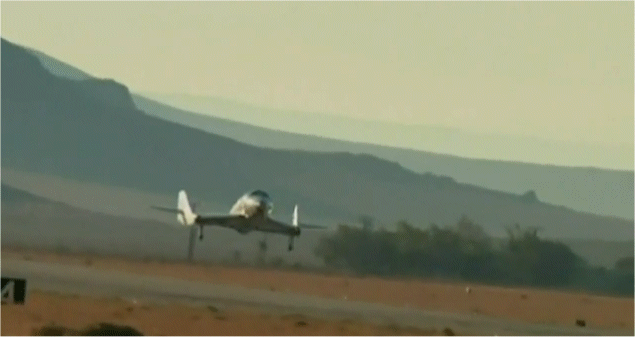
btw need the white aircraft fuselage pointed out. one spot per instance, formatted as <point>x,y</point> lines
<point>253,204</point>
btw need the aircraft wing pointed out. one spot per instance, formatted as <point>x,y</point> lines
<point>275,226</point>
<point>309,226</point>
<point>224,220</point>
<point>167,209</point>
<point>220,220</point>
<point>271,225</point>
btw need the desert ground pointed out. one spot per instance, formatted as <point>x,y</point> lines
<point>527,305</point>
<point>77,312</point>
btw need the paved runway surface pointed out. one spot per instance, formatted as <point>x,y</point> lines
<point>87,281</point>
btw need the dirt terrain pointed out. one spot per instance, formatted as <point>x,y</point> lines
<point>75,312</point>
<point>529,305</point>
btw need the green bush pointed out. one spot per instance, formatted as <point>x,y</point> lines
<point>465,252</point>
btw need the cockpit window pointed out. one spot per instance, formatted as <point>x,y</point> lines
<point>260,193</point>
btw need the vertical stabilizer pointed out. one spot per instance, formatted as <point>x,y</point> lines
<point>186,216</point>
<point>295,216</point>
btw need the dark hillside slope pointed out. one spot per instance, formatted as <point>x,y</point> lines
<point>59,68</point>
<point>12,196</point>
<point>32,221</point>
<point>59,126</point>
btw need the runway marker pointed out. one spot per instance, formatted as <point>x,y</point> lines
<point>13,290</point>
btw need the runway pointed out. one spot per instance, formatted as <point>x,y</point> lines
<point>80,280</point>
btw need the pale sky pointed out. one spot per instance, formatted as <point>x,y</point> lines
<point>553,70</point>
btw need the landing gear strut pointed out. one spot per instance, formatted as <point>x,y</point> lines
<point>200,233</point>
<point>290,243</point>
<point>191,243</point>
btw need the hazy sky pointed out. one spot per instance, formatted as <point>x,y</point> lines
<point>555,70</point>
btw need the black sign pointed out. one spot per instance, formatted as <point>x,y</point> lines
<point>13,290</point>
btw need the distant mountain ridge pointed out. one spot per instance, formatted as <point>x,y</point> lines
<point>599,191</point>
<point>52,125</point>
<point>426,138</point>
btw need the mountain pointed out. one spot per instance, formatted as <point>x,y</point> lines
<point>599,191</point>
<point>437,139</point>
<point>59,68</point>
<point>29,220</point>
<point>90,130</point>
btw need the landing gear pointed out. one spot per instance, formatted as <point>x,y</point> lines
<point>262,245</point>
<point>191,243</point>
<point>290,243</point>
<point>200,233</point>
